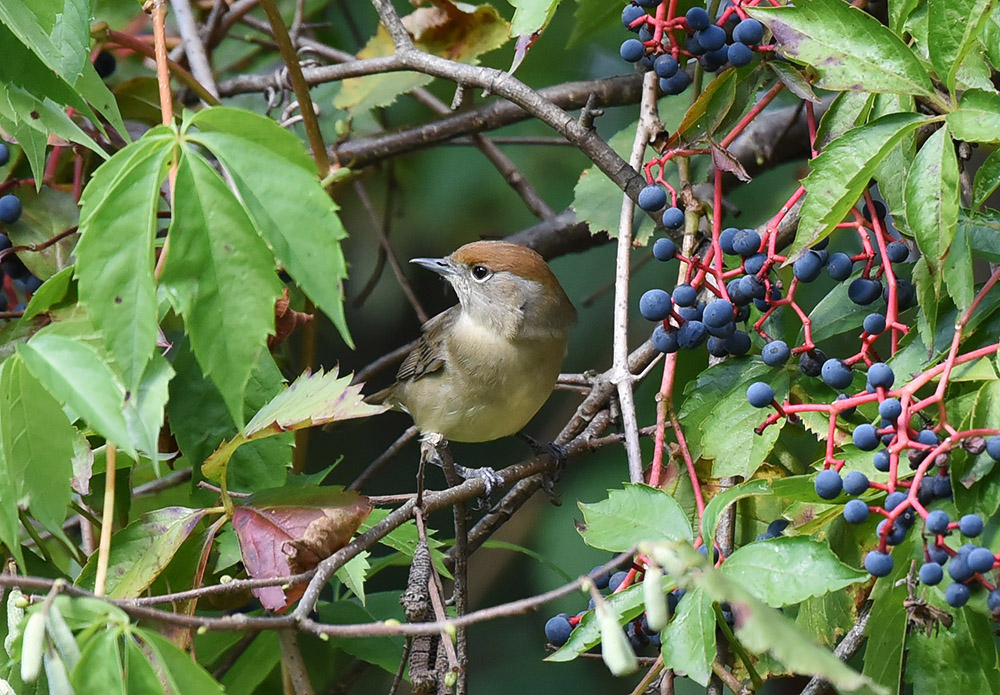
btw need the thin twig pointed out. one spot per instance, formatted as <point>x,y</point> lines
<point>847,648</point>
<point>292,662</point>
<point>107,519</point>
<point>194,49</point>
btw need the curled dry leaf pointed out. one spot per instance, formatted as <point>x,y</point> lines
<point>290,530</point>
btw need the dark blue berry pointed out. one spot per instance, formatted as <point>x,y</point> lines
<point>775,353</point>
<point>10,208</point>
<point>993,448</point>
<point>864,291</point>
<point>693,312</point>
<point>971,525</point>
<point>746,243</point>
<point>897,251</point>
<point>749,31</point>
<point>777,527</point>
<point>734,288</point>
<point>615,581</point>
<point>697,18</point>
<point>655,305</point>
<point>558,630</point>
<point>652,198</point>
<point>855,483</point>
<point>4,155</point>
<point>726,330</point>
<point>906,293</point>
<point>739,54</point>
<point>752,287</point>
<point>878,564</point>
<point>980,560</point>
<point>855,511</point>
<point>874,324</point>
<point>846,412</point>
<point>938,554</point>
<point>890,409</point>
<point>865,437</point>
<point>958,568</point>
<point>717,347</point>
<point>600,580</point>
<point>726,237</point>
<point>738,344</point>
<point>931,573</point>
<point>957,595</point>
<point>664,249</point>
<point>685,295</point>
<point>840,266</point>
<point>828,484</point>
<point>893,500</point>
<point>811,362</point>
<point>676,84</point>
<point>630,14</point>
<point>836,374</point>
<point>665,65</point>
<point>993,601</point>
<point>760,395</point>
<point>712,37</point>
<point>753,264</point>
<point>632,50</point>
<point>937,522</point>
<point>880,210</point>
<point>928,437</point>
<point>105,64</point>
<point>665,341</point>
<point>691,334</point>
<point>807,268</point>
<point>673,218</point>
<point>718,313</point>
<point>31,284</point>
<point>880,375</point>
<point>897,532</point>
<point>942,486</point>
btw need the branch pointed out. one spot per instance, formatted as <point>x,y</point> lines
<point>847,648</point>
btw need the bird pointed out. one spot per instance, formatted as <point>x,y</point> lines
<point>482,368</point>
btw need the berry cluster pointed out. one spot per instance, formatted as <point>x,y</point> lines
<point>10,265</point>
<point>665,42</point>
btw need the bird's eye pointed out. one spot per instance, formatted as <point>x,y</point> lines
<point>480,272</point>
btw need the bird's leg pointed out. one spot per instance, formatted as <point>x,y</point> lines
<point>558,454</point>
<point>434,448</point>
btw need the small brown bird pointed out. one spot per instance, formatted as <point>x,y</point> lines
<point>483,368</point>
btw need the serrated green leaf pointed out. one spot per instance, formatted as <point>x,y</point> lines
<point>279,190</point>
<point>719,503</point>
<point>931,197</point>
<point>891,170</point>
<point>100,667</point>
<point>899,12</point>
<point>220,277</point>
<point>590,17</point>
<point>37,442</point>
<point>353,574</point>
<point>689,639</point>
<point>989,38</point>
<point>115,252</point>
<point>79,377</point>
<point>531,15</point>
<point>717,399</point>
<point>759,627</point>
<point>928,296</point>
<point>983,230</point>
<point>841,172</point>
<point>977,118</point>
<point>794,80</point>
<point>958,276</point>
<point>961,658</point>
<point>57,32</point>
<point>140,676</point>
<point>182,674</point>
<point>788,570</point>
<point>633,514</point>
<point>9,523</point>
<point>987,179</point>
<point>952,29</point>
<point>141,550</point>
<point>849,49</point>
<point>884,656</point>
<point>847,110</point>
<point>712,106</point>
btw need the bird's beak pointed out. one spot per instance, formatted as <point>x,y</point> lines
<point>441,266</point>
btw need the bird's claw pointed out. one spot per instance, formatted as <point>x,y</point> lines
<point>491,479</point>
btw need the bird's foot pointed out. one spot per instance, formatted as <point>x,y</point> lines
<point>491,479</point>
<point>559,457</point>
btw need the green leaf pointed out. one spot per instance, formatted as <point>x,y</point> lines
<point>590,17</point>
<point>79,377</point>
<point>717,402</point>
<point>37,443</point>
<point>57,32</point>
<point>100,667</point>
<point>961,658</point>
<point>9,524</point>
<point>46,213</point>
<point>958,277</point>
<point>990,38</point>
<point>899,12</point>
<point>531,15</point>
<point>115,252</point>
<point>278,188</point>
<point>759,627</point>
<point>977,118</point>
<point>931,197</point>
<point>689,639</point>
<point>928,296</point>
<point>384,652</point>
<point>598,201</point>
<point>847,110</point>
<point>714,104</point>
<point>182,674</point>
<point>884,656</point>
<point>891,169</point>
<point>987,179</point>
<point>795,81</point>
<point>220,277</point>
<point>789,570</point>
<point>141,550</point>
<point>953,26</point>
<point>719,503</point>
<point>840,174</point>
<point>983,230</point>
<point>145,407</point>
<point>633,514</point>
<point>849,49</point>
<point>353,574</point>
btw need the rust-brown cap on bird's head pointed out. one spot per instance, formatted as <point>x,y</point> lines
<point>503,255</point>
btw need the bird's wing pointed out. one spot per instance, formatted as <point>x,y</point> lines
<point>428,355</point>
